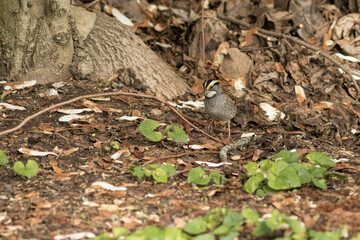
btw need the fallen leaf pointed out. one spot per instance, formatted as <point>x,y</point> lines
<point>35,153</point>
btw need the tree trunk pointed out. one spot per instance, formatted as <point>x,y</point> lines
<point>51,40</point>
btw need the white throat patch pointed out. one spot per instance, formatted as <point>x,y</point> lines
<point>210,94</point>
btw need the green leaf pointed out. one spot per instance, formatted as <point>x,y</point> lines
<point>137,171</point>
<point>320,159</point>
<point>272,222</point>
<point>3,158</point>
<point>261,229</point>
<point>286,156</point>
<point>253,183</point>
<point>115,145</point>
<point>265,165</point>
<point>207,236</point>
<point>252,168</point>
<point>119,231</point>
<point>149,232</point>
<point>196,175</point>
<point>168,168</point>
<point>172,233</point>
<point>317,171</point>
<point>222,230</point>
<point>214,217</point>
<point>147,172</point>
<point>29,171</point>
<point>323,235</point>
<point>233,219</point>
<point>286,179</point>
<point>176,133</point>
<point>195,226</point>
<point>266,190</point>
<point>279,166</point>
<point>231,236</point>
<point>304,176</point>
<point>160,176</point>
<point>147,127</point>
<point>250,214</point>
<point>296,226</point>
<point>319,183</point>
<point>218,177</point>
<point>339,176</point>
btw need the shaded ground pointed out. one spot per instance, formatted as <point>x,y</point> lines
<point>60,199</point>
<point>53,202</point>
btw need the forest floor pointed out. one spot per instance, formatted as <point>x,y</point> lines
<point>60,199</point>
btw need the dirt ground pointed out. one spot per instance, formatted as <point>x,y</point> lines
<point>60,199</point>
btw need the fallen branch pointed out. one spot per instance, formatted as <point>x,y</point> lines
<point>180,114</point>
<point>179,155</point>
<point>298,41</point>
<point>240,143</point>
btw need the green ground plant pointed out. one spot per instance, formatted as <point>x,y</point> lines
<point>284,171</point>
<point>224,224</point>
<point>158,172</point>
<point>147,128</point>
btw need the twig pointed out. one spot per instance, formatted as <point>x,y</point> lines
<point>181,115</point>
<point>298,41</point>
<point>202,30</point>
<point>89,5</point>
<point>239,143</point>
<point>179,155</point>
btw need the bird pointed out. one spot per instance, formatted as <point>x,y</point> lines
<point>217,104</point>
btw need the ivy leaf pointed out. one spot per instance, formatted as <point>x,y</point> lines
<point>286,156</point>
<point>266,190</point>
<point>206,236</point>
<point>195,226</point>
<point>251,167</point>
<point>320,159</point>
<point>250,214</point>
<point>253,183</point>
<point>279,166</point>
<point>147,127</point>
<point>168,168</point>
<point>261,229</point>
<point>137,171</point>
<point>196,175</point>
<point>265,165</point>
<point>176,133</point>
<point>233,219</point>
<point>119,231</point>
<point>3,158</point>
<point>115,145</point>
<point>286,179</point>
<point>171,233</point>
<point>296,226</point>
<point>29,171</point>
<point>218,177</point>
<point>319,183</point>
<point>160,176</point>
<point>149,232</point>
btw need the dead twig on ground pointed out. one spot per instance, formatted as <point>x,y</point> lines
<point>202,30</point>
<point>298,41</point>
<point>180,114</point>
<point>239,143</point>
<point>179,155</point>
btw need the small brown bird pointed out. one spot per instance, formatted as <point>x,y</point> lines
<point>217,104</point>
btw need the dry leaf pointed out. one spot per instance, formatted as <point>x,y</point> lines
<point>248,36</point>
<point>220,52</point>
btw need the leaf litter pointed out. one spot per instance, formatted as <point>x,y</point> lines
<point>309,106</point>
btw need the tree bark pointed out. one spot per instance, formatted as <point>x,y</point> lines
<point>51,40</point>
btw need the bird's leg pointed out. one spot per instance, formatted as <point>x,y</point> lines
<point>229,138</point>
<point>208,128</point>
